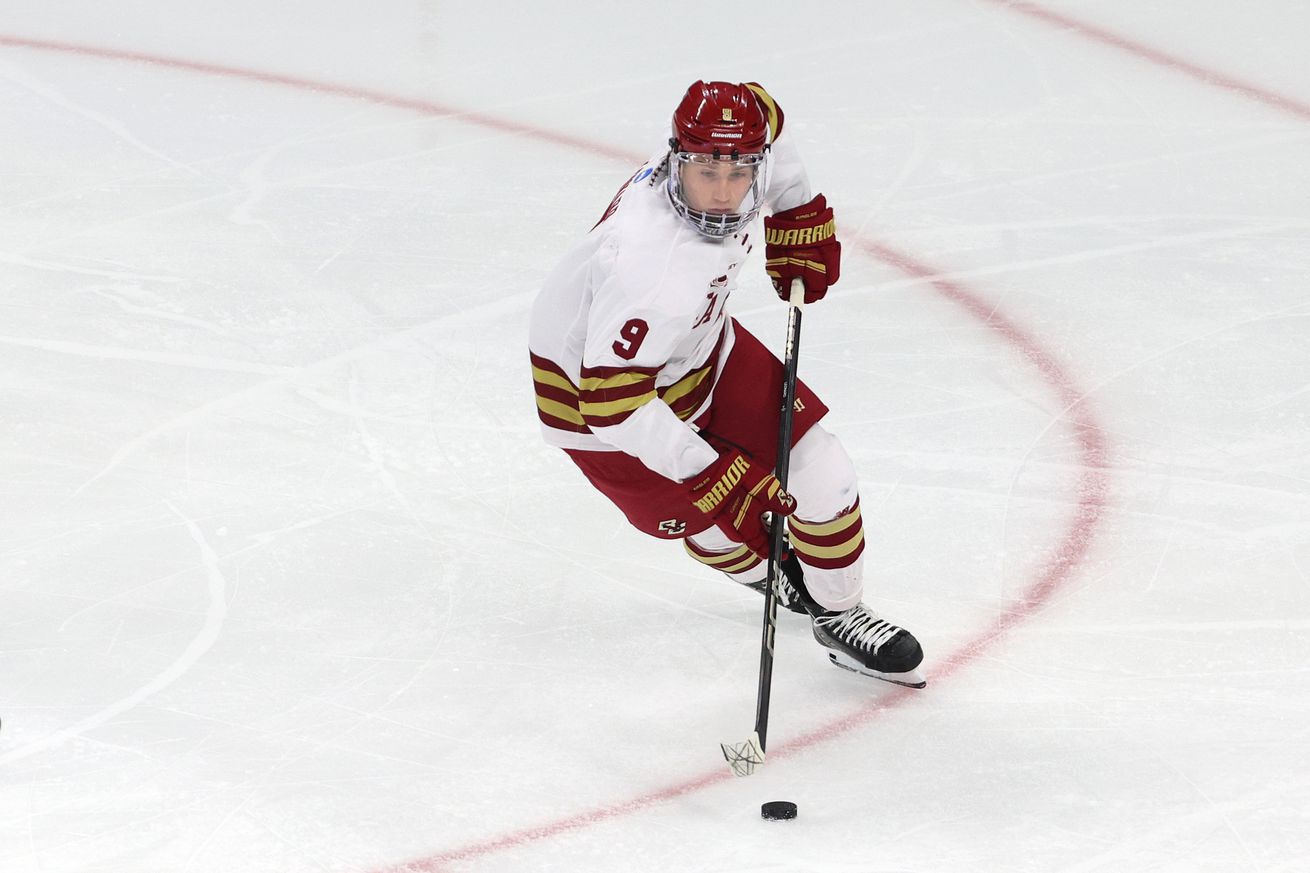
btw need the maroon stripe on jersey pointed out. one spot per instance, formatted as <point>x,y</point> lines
<point>556,393</point>
<point>554,402</point>
<point>560,423</point>
<point>685,406</point>
<point>606,393</point>
<point>550,394</point>
<point>610,406</point>
<point>548,365</point>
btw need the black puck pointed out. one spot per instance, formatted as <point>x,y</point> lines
<point>778,810</point>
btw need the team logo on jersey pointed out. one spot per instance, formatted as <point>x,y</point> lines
<point>708,316</point>
<point>673,527</point>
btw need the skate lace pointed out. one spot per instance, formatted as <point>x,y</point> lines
<point>860,628</point>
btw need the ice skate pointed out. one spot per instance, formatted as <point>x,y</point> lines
<point>866,644</point>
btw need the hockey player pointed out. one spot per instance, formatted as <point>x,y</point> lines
<point>670,407</point>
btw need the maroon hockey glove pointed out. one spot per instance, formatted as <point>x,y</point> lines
<point>736,493</point>
<point>801,243</point>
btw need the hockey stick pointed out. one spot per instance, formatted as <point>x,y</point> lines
<point>743,758</point>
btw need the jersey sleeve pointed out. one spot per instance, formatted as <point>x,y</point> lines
<point>629,340</point>
<point>789,185</point>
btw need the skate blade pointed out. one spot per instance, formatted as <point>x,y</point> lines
<point>909,679</point>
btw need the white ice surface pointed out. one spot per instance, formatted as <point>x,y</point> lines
<point>288,581</point>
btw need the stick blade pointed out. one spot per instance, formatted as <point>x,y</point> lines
<point>743,758</point>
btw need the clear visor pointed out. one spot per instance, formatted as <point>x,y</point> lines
<point>718,195</point>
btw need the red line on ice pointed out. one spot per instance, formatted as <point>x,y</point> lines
<point>1069,552</point>
<point>1145,52</point>
<point>424,107</point>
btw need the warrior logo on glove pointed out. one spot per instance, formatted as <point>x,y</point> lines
<point>801,243</point>
<point>736,494</point>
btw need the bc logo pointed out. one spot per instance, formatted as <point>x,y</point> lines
<point>673,527</point>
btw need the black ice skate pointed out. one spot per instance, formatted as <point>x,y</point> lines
<point>866,644</point>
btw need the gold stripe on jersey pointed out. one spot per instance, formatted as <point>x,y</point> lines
<point>556,395</point>
<point>609,398</point>
<point>686,395</point>
<point>546,377</point>
<point>594,384</point>
<point>554,408</point>
<point>592,410</point>
<point>688,387</point>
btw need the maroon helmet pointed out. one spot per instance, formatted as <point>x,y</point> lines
<point>720,119</point>
<point>721,130</point>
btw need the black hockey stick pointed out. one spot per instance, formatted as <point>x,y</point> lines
<point>743,758</point>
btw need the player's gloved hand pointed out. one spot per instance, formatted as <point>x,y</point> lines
<point>736,493</point>
<point>801,243</point>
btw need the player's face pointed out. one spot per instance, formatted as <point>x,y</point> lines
<point>716,185</point>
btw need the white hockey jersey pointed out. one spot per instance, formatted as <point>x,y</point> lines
<point>629,332</point>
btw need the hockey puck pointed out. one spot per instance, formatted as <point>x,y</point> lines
<point>778,810</point>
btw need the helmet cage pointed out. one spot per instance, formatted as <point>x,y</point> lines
<point>718,225</point>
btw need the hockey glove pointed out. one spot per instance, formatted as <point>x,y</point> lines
<point>735,494</point>
<point>801,243</point>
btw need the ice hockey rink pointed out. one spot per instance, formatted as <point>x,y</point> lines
<point>289,581</point>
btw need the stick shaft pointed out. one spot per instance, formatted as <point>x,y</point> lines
<point>779,524</point>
